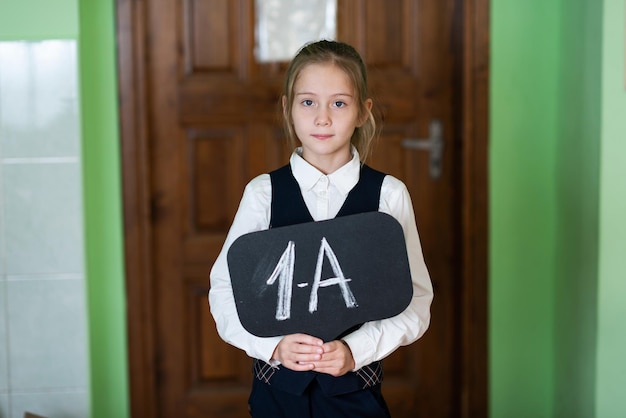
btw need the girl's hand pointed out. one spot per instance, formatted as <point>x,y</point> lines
<point>298,352</point>
<point>337,359</point>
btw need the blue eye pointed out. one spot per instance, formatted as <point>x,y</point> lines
<point>339,103</point>
<point>307,102</point>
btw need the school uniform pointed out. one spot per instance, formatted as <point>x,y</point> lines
<point>299,193</point>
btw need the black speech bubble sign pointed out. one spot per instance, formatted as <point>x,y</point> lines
<point>356,267</point>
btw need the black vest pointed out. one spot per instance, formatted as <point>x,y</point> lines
<point>288,208</point>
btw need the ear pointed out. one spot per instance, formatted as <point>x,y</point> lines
<point>368,104</point>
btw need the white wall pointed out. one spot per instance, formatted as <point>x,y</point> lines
<point>43,338</point>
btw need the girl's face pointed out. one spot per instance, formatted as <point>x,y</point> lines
<point>324,115</point>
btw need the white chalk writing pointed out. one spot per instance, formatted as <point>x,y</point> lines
<point>284,272</point>
<point>340,280</point>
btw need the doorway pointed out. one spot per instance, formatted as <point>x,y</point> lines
<point>199,119</point>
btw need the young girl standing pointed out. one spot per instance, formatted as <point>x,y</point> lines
<point>328,120</point>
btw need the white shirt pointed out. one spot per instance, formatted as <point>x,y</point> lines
<point>324,195</point>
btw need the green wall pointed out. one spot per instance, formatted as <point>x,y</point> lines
<point>523,208</point>
<point>611,364</point>
<point>34,20</point>
<point>103,210</point>
<point>577,176</point>
<point>558,130</point>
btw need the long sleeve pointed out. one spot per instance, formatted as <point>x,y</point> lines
<point>252,215</point>
<point>377,339</point>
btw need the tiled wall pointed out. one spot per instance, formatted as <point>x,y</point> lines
<point>43,338</point>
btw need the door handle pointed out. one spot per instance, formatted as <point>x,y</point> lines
<point>433,144</point>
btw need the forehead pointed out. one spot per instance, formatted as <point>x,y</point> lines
<point>323,78</point>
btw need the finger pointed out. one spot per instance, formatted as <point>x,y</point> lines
<point>299,367</point>
<point>332,369</point>
<point>306,339</point>
<point>305,349</point>
<point>301,352</point>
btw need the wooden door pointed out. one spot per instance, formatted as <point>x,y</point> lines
<point>200,119</point>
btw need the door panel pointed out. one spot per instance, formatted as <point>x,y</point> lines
<point>209,122</point>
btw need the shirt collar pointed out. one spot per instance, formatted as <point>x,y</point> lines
<point>344,178</point>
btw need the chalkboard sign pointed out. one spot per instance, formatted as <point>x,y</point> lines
<point>320,278</point>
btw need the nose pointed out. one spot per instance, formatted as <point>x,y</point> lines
<point>322,118</point>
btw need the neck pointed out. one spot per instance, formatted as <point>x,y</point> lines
<point>328,165</point>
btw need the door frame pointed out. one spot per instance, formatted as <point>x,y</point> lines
<point>473,74</point>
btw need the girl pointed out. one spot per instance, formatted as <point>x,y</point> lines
<point>327,112</point>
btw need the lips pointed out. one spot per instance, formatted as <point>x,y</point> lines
<point>322,137</point>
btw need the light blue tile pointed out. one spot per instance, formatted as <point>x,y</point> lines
<point>39,99</point>
<point>2,256</point>
<point>47,334</point>
<point>2,229</point>
<point>4,360</point>
<point>51,404</point>
<point>2,232</point>
<point>43,218</point>
<point>4,405</point>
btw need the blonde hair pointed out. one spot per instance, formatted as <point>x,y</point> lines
<point>347,59</point>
